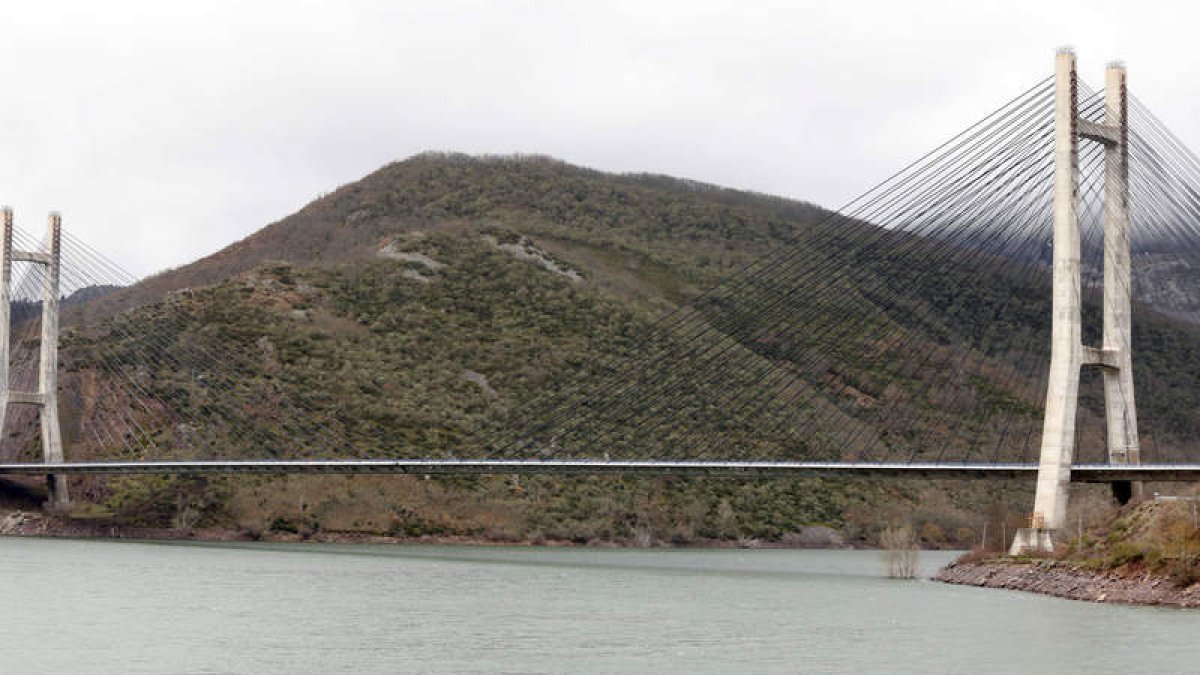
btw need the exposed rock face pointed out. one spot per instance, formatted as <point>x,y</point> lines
<point>524,249</point>
<point>429,265</point>
<point>482,381</point>
<point>1064,580</point>
<point>391,252</point>
<point>13,522</point>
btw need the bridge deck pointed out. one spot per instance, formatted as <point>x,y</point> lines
<point>1085,473</point>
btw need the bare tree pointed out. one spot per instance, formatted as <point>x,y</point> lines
<point>899,552</point>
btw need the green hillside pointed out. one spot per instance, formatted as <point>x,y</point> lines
<point>458,306</point>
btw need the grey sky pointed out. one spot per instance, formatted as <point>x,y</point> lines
<point>165,131</point>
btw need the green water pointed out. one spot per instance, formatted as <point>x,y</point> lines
<point>111,607</point>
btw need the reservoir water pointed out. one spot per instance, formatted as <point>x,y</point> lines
<point>116,607</point>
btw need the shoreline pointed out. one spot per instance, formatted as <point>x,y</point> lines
<point>1062,579</point>
<point>35,524</point>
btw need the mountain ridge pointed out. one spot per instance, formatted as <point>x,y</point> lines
<point>299,238</point>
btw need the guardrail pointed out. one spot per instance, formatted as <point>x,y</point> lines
<point>1087,473</point>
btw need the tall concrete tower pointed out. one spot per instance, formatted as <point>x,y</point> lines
<point>46,397</point>
<point>1068,354</point>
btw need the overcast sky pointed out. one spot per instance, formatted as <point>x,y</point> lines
<point>164,131</point>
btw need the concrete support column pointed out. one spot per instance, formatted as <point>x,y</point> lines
<point>5,310</point>
<point>52,449</point>
<point>46,396</point>
<point>1066,348</point>
<point>1120,410</point>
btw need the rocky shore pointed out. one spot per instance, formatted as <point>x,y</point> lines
<point>1066,580</point>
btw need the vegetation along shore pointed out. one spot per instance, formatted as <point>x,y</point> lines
<point>1148,554</point>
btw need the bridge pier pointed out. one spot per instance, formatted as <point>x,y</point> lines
<point>46,397</point>
<point>52,448</point>
<point>1120,408</point>
<point>1066,341</point>
<point>1068,355</point>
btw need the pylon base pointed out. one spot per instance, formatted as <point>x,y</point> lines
<point>1032,540</point>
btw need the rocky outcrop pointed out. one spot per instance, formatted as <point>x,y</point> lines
<point>1064,580</point>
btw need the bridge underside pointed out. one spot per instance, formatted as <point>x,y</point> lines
<point>1085,473</point>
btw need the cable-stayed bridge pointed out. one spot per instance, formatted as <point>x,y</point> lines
<point>987,312</point>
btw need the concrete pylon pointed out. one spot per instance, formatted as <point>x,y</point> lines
<point>6,252</point>
<point>46,397</point>
<point>1068,355</point>
<point>1120,410</point>
<point>52,449</point>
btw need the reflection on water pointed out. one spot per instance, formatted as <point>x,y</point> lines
<point>105,607</point>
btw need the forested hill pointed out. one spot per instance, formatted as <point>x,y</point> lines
<point>450,305</point>
<point>687,233</point>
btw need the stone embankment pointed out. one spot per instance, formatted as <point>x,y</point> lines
<point>1064,580</point>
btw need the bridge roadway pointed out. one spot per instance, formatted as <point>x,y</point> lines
<point>1081,473</point>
